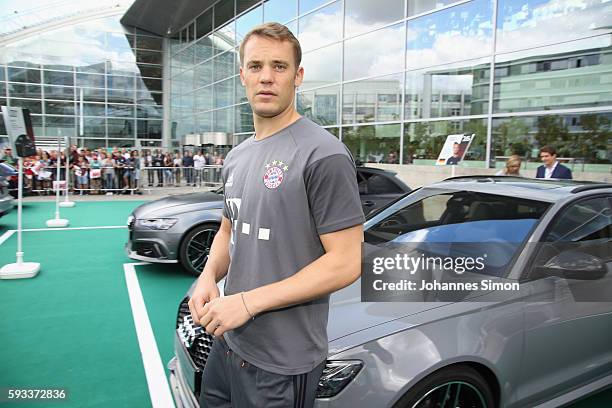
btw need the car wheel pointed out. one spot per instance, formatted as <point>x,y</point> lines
<point>195,247</point>
<point>461,387</point>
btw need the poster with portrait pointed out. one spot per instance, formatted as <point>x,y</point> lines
<point>454,149</point>
<point>19,129</point>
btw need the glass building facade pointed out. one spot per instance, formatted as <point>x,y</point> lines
<point>394,76</point>
<point>96,81</point>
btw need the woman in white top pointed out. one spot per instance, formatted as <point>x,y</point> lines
<point>178,161</point>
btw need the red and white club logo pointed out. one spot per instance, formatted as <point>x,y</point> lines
<point>275,174</point>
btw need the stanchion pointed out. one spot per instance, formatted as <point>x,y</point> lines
<point>57,222</point>
<point>67,202</point>
<point>19,269</point>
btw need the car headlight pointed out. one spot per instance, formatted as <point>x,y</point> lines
<point>336,375</point>
<point>157,223</point>
<point>130,220</point>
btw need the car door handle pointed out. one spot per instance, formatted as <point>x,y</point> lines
<point>368,203</point>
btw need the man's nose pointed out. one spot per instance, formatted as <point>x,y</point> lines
<point>266,75</point>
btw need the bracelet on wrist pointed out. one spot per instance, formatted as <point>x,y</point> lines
<point>245,306</point>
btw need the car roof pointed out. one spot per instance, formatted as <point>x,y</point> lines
<point>376,170</point>
<point>534,189</point>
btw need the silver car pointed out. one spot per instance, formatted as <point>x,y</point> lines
<point>542,346</point>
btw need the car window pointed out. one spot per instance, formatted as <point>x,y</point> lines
<point>379,184</point>
<point>585,220</point>
<point>458,217</point>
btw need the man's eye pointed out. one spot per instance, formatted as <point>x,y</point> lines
<point>255,67</point>
<point>279,67</point>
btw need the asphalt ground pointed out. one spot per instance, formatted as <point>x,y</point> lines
<point>94,322</point>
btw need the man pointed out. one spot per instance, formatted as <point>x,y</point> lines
<point>290,235</point>
<point>8,156</point>
<point>551,168</point>
<point>456,157</point>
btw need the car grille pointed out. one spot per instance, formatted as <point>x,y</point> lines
<point>197,342</point>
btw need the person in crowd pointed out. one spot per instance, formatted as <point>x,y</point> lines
<point>129,170</point>
<point>95,173</point>
<point>199,163</point>
<point>392,158</point>
<point>137,162</point>
<point>552,169</point>
<point>178,162</point>
<point>119,168</point>
<point>81,170</point>
<point>158,161</point>
<point>188,168</point>
<point>149,164</point>
<point>8,156</point>
<point>108,171</point>
<point>512,168</point>
<point>168,169</point>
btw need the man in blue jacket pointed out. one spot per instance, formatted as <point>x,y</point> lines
<point>552,169</point>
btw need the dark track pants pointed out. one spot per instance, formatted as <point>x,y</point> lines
<point>229,381</point>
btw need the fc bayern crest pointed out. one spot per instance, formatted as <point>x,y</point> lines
<point>275,174</point>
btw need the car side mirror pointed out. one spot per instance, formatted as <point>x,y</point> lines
<point>573,265</point>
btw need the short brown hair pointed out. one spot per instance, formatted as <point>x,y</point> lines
<point>274,31</point>
<point>549,149</point>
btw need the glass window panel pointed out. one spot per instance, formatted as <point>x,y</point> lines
<point>372,143</point>
<point>204,23</point>
<point>150,71</point>
<point>93,109</point>
<point>121,142</point>
<point>320,105</point>
<point>373,100</point>
<point>95,68</point>
<point>247,21</point>
<point>149,129</point>
<point>150,84</point>
<point>421,6</point>
<point>203,49</point>
<point>203,122</point>
<point>225,66</point>
<point>2,89</point>
<point>24,75</point>
<point>185,58</point>
<point>119,42</point>
<point>364,15</point>
<point>224,12</point>
<point>223,93</point>
<point>121,96</point>
<point>149,98</point>
<point>59,108</point>
<point>423,141</point>
<point>2,76</point>
<point>224,38</point>
<point>458,33</point>
<point>584,137</point>
<point>203,99</point>
<point>575,75</point>
<point>280,10</point>
<point>59,126</point>
<point>92,143</point>
<point>307,5</point>
<point>90,80</point>
<point>203,74</point>
<point>94,127</point>
<point>322,66</point>
<point>33,106</point>
<point>524,24</point>
<point>120,82</point>
<point>149,43</point>
<point>58,78</point>
<point>153,112</point>
<point>24,91</point>
<point>242,5</point>
<point>244,118</point>
<point>64,92</point>
<point>363,55</point>
<point>149,57</point>
<point>334,131</point>
<point>58,67</point>
<point>224,120</point>
<point>460,89</point>
<point>240,91</point>
<point>321,28</point>
<point>120,110</point>
<point>120,128</point>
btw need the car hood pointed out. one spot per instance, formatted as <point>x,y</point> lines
<point>177,204</point>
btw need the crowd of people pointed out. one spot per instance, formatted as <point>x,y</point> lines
<point>116,171</point>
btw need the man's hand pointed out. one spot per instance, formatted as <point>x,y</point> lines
<point>224,314</point>
<point>205,291</point>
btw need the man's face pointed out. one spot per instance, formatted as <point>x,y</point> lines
<point>455,150</point>
<point>548,159</point>
<point>270,75</point>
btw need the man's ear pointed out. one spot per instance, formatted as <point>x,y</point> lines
<point>241,76</point>
<point>299,77</point>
